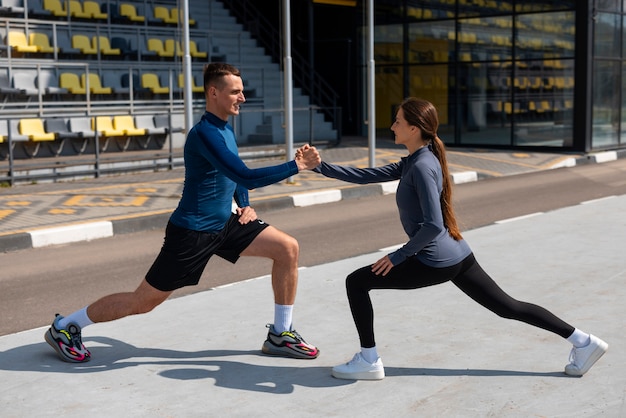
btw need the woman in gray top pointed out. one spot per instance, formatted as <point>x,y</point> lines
<point>435,252</point>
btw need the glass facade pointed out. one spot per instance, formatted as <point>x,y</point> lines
<point>501,73</point>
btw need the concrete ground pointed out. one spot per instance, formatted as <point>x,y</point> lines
<point>444,356</point>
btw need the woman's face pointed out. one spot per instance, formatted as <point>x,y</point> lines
<point>405,134</point>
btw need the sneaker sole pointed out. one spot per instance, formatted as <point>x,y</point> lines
<point>375,375</point>
<point>593,358</point>
<point>50,340</point>
<point>272,351</point>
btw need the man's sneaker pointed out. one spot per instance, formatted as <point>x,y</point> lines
<point>67,342</point>
<point>359,369</point>
<point>288,344</point>
<point>582,358</point>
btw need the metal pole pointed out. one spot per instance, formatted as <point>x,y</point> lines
<point>288,82</point>
<point>187,95</point>
<point>371,97</point>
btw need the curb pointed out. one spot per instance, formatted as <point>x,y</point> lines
<point>88,231</point>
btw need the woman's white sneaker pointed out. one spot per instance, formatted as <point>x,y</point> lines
<point>582,358</point>
<point>359,369</point>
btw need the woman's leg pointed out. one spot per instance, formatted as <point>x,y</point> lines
<point>408,275</point>
<point>477,284</point>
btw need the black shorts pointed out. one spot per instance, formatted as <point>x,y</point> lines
<point>185,252</point>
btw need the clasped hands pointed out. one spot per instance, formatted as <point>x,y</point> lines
<point>307,158</point>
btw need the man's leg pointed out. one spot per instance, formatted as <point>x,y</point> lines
<point>65,333</point>
<point>118,305</point>
<point>283,249</point>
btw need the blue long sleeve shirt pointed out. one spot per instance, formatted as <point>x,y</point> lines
<point>215,174</point>
<point>419,206</point>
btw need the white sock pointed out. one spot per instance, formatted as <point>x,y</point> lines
<point>283,316</point>
<point>578,338</point>
<point>79,317</point>
<point>369,354</point>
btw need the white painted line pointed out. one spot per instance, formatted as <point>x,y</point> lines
<point>390,249</point>
<point>71,233</point>
<point>464,177</point>
<point>389,187</point>
<point>518,218</point>
<point>586,202</point>
<point>603,157</point>
<point>316,198</point>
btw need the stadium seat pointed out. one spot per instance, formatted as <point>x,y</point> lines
<point>65,45</point>
<point>126,124</point>
<point>76,10</point>
<point>162,14</point>
<point>12,6</point>
<point>151,81</point>
<point>146,122</point>
<point>10,128</point>
<point>113,79</point>
<point>24,80</point>
<point>102,43</point>
<point>92,9</point>
<point>176,16</point>
<point>58,126</point>
<point>48,82</point>
<point>123,44</point>
<point>194,88</point>
<point>195,52</point>
<point>42,42</point>
<point>95,86</point>
<point>82,43</point>
<point>34,130</point>
<point>36,10</point>
<point>104,125</point>
<point>5,84</point>
<point>55,8</point>
<point>156,45</point>
<point>17,41</point>
<point>71,82</point>
<point>163,121</point>
<point>129,12</point>
<point>172,47</point>
<point>81,126</point>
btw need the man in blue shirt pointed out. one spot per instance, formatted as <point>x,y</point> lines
<point>204,224</point>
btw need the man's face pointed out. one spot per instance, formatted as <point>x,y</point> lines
<point>225,102</point>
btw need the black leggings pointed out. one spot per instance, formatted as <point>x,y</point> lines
<point>466,275</point>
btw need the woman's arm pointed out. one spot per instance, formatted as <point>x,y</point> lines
<point>360,175</point>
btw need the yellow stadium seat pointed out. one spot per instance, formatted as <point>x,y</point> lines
<point>177,17</point>
<point>17,41</point>
<point>95,86</point>
<point>83,43</point>
<point>129,11</point>
<point>104,46</point>
<point>33,128</point>
<point>156,45</point>
<point>54,7</point>
<point>127,124</point>
<point>76,10</point>
<point>71,82</point>
<point>42,42</point>
<point>173,47</point>
<point>151,81</point>
<point>194,88</point>
<point>194,52</point>
<point>92,9</point>
<point>162,13</point>
<point>104,125</point>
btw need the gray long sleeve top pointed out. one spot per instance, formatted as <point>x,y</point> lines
<point>419,206</point>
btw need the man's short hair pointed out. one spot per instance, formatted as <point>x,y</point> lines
<point>216,71</point>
